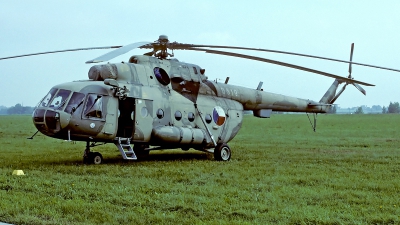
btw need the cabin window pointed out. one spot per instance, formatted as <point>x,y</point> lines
<point>94,106</point>
<point>194,70</point>
<point>161,75</point>
<point>178,115</point>
<point>75,102</point>
<point>208,118</point>
<point>191,117</point>
<point>144,112</point>
<point>160,113</point>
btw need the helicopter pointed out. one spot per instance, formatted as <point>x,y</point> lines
<point>156,102</point>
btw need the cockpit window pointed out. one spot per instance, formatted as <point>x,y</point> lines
<point>60,99</point>
<point>94,106</point>
<point>46,100</point>
<point>75,102</point>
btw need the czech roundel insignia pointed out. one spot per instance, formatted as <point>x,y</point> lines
<point>219,115</point>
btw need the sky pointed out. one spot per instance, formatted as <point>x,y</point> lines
<point>323,28</point>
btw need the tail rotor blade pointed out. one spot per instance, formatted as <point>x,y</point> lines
<point>360,88</point>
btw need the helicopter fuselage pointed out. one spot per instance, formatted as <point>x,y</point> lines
<point>159,102</point>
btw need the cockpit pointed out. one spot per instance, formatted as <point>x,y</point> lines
<point>62,100</point>
<point>59,106</point>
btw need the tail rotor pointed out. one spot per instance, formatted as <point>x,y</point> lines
<point>350,70</point>
<point>331,95</point>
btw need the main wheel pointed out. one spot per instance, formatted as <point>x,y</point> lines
<point>140,151</point>
<point>93,158</point>
<point>222,152</point>
<point>97,158</point>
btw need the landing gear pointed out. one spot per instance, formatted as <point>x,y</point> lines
<point>97,158</point>
<point>91,157</point>
<point>140,151</point>
<point>222,152</point>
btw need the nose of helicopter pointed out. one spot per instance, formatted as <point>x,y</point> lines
<point>47,121</point>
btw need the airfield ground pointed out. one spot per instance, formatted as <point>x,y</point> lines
<point>281,172</point>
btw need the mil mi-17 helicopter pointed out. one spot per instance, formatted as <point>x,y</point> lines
<point>154,102</point>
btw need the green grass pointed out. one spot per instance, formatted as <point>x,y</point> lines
<point>281,172</point>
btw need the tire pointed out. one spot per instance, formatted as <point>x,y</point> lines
<point>222,152</point>
<point>96,158</point>
<point>140,151</point>
<point>93,158</point>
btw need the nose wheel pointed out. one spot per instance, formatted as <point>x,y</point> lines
<point>91,157</point>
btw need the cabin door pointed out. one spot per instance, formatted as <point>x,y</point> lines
<point>126,113</point>
<point>143,120</point>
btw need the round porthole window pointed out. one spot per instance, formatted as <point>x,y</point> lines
<point>191,117</point>
<point>160,113</point>
<point>144,112</point>
<point>161,75</point>
<point>178,115</point>
<point>208,118</point>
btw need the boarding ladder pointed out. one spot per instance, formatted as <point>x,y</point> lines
<point>124,146</point>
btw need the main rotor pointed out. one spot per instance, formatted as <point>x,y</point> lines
<point>160,47</point>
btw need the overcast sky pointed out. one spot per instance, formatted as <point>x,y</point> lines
<point>323,28</point>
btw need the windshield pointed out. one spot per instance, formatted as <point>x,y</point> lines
<point>60,99</point>
<point>46,100</point>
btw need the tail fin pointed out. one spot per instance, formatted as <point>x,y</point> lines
<point>330,96</point>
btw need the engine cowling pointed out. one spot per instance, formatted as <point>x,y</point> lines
<point>102,72</point>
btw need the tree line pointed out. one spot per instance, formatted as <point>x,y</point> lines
<point>18,109</point>
<point>392,108</point>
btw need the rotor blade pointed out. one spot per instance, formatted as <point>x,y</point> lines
<point>351,58</point>
<point>360,88</point>
<point>58,51</point>
<point>282,64</point>
<point>192,46</point>
<point>117,52</point>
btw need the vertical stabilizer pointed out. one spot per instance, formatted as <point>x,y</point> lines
<point>330,96</point>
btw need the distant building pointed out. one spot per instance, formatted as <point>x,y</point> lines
<point>375,109</point>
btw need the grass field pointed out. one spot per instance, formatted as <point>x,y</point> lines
<point>281,172</point>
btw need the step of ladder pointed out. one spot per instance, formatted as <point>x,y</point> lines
<point>125,148</point>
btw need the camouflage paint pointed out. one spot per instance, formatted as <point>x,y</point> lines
<point>185,86</point>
